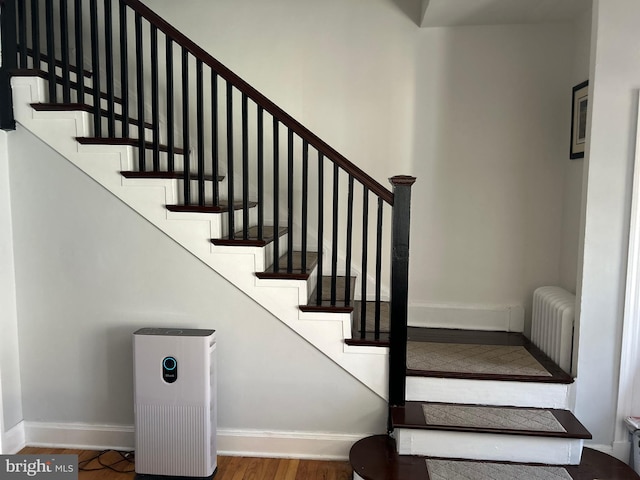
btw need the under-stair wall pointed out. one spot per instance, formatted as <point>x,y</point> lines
<point>83,289</point>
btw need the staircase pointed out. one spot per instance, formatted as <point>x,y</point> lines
<point>284,217</point>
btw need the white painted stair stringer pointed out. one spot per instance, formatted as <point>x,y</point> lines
<point>193,231</point>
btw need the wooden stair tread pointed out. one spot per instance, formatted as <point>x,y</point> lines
<point>132,142</point>
<point>369,341</point>
<point>437,335</point>
<point>252,240</point>
<point>72,107</point>
<point>376,458</point>
<point>167,175</point>
<point>297,272</point>
<point>411,416</point>
<point>340,306</point>
<point>220,208</point>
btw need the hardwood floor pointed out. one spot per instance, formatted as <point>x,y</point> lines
<point>229,468</point>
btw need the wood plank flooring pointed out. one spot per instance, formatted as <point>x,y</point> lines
<point>229,468</point>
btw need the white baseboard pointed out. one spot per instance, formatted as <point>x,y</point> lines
<point>315,445</point>
<point>232,442</point>
<point>80,435</point>
<point>622,450</point>
<point>14,439</point>
<point>506,318</point>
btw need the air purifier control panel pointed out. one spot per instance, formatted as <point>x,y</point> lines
<point>169,369</point>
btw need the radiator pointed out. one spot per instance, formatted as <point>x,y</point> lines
<point>552,324</point>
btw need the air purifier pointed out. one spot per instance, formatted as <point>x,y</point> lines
<point>175,403</point>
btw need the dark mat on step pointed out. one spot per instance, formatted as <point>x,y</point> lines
<point>471,358</point>
<point>529,419</point>
<point>459,470</point>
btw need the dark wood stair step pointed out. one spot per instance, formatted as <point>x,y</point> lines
<point>133,142</point>
<point>411,416</point>
<point>252,240</point>
<point>167,175</point>
<point>326,305</point>
<point>369,341</point>
<point>221,208</point>
<point>72,107</point>
<point>376,458</point>
<point>296,273</point>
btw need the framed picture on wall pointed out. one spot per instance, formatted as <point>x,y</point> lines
<point>579,119</point>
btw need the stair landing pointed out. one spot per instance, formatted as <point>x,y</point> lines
<point>463,354</point>
<point>375,458</point>
<point>483,368</point>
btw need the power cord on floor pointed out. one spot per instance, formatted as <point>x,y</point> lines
<point>127,457</point>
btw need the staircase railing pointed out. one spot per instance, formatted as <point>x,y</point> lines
<point>147,85</point>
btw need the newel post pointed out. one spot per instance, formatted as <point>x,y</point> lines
<point>9,45</point>
<point>399,287</point>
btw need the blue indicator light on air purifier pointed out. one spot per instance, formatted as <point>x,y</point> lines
<point>169,363</point>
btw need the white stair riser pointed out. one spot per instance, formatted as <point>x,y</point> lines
<point>489,446</point>
<point>490,392</point>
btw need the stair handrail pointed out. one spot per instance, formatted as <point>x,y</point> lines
<point>181,39</point>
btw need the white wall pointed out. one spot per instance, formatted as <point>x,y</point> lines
<point>490,140</point>
<point>10,402</point>
<point>573,169</point>
<point>615,76</point>
<point>478,114</point>
<point>90,271</point>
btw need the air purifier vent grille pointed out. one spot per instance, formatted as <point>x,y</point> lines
<point>173,440</point>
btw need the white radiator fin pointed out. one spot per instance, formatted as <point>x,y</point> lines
<point>552,324</point>
<point>174,439</point>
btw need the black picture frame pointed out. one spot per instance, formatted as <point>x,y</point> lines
<point>579,105</point>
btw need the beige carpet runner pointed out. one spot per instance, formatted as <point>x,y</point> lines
<point>471,358</point>
<point>456,470</point>
<point>529,419</point>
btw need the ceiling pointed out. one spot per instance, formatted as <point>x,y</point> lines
<point>445,13</point>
